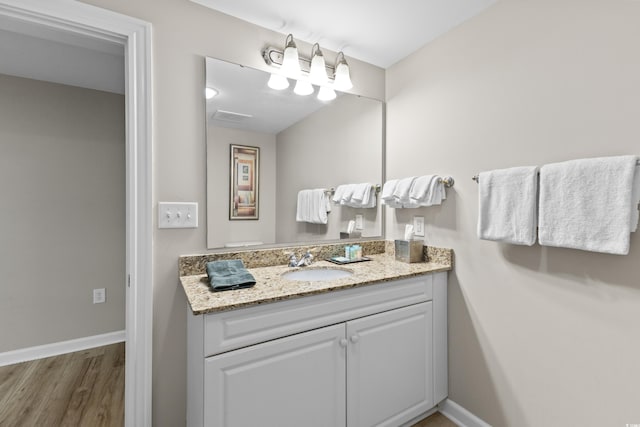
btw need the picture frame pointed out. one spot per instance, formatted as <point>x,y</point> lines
<point>244,178</point>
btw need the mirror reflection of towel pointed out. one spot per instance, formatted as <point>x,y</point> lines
<point>312,206</point>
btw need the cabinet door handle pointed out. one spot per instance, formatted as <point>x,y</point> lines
<point>355,338</point>
<point>343,342</point>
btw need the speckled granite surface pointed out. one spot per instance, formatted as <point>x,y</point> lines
<point>196,264</point>
<point>270,286</point>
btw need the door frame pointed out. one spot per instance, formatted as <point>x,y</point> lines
<point>135,35</point>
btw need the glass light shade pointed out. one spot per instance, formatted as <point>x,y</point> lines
<point>318,72</point>
<point>210,92</point>
<point>326,94</point>
<point>278,82</point>
<point>290,64</point>
<point>342,79</point>
<point>303,88</point>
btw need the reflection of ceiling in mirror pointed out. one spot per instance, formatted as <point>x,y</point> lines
<point>246,102</point>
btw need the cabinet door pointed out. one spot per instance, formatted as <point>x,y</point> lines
<point>293,381</point>
<point>389,367</point>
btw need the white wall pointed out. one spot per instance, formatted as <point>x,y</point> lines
<point>183,34</point>
<point>338,144</point>
<point>538,336</point>
<point>220,229</point>
<point>62,183</point>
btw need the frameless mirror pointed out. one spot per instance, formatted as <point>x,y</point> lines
<point>265,145</point>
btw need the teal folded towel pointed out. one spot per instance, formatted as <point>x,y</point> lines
<point>229,274</point>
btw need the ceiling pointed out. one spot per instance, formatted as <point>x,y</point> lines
<point>380,32</point>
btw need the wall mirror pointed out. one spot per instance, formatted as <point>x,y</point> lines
<point>265,145</point>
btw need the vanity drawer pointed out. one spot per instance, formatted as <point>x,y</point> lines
<point>230,330</point>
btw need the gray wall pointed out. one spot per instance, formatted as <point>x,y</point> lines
<point>338,144</point>
<point>62,180</point>
<point>538,336</point>
<point>220,229</point>
<point>183,34</point>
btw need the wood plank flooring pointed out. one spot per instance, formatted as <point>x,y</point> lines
<point>435,420</point>
<point>85,388</point>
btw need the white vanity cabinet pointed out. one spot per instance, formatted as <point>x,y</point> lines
<point>374,355</point>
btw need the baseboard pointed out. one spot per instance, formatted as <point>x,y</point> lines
<point>57,348</point>
<point>460,415</point>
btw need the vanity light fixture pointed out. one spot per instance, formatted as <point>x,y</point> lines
<point>210,92</point>
<point>291,60</point>
<point>342,78</point>
<point>307,72</point>
<point>303,88</point>
<point>318,71</point>
<point>278,82</point>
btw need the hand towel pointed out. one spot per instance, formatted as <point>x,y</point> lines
<point>401,192</point>
<point>387,190</point>
<point>586,204</point>
<point>229,274</point>
<point>337,195</point>
<point>436,193</point>
<point>507,211</point>
<point>360,192</point>
<point>635,200</point>
<point>420,187</point>
<point>312,206</point>
<point>347,194</point>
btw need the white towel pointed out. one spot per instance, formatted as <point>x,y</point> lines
<point>401,192</point>
<point>360,191</point>
<point>387,189</point>
<point>420,188</point>
<point>586,204</point>
<point>312,206</point>
<point>347,194</point>
<point>437,192</point>
<point>337,195</point>
<point>635,200</point>
<point>507,211</point>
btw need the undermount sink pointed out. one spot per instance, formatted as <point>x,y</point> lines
<point>316,274</point>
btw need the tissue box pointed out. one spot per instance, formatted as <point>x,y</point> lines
<point>409,250</point>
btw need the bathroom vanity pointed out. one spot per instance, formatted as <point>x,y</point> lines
<point>369,349</point>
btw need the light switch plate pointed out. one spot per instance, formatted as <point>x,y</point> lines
<point>99,296</point>
<point>418,226</point>
<point>359,222</point>
<point>177,215</point>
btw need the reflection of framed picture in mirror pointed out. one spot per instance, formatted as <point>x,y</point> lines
<point>244,169</point>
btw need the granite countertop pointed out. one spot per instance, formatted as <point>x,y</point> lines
<point>271,287</point>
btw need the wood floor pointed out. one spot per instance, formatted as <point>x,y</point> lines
<point>76,389</point>
<point>436,420</point>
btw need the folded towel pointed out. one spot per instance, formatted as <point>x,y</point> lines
<point>347,194</point>
<point>420,187</point>
<point>635,201</point>
<point>401,192</point>
<point>360,192</point>
<point>507,211</point>
<point>337,195</point>
<point>229,274</point>
<point>586,204</point>
<point>436,193</point>
<point>312,206</point>
<point>387,190</point>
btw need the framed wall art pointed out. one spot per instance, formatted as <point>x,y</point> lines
<point>244,171</point>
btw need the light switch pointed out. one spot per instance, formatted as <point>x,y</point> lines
<point>418,226</point>
<point>99,296</point>
<point>359,222</point>
<point>177,215</point>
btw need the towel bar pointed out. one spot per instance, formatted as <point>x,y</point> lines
<point>476,178</point>
<point>377,187</point>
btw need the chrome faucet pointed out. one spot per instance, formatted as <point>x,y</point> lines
<point>304,261</point>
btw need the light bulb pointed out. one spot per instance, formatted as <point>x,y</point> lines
<point>210,92</point>
<point>278,82</point>
<point>326,94</point>
<point>318,72</point>
<point>303,88</point>
<point>290,64</point>
<point>342,78</point>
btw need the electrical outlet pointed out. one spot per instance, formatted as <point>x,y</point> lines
<point>359,222</point>
<point>177,215</point>
<point>99,296</point>
<point>418,226</point>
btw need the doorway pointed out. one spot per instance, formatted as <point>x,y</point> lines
<point>134,35</point>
